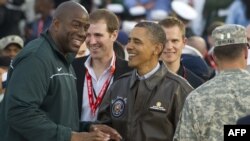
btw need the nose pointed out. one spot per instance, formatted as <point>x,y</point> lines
<point>129,46</point>
<point>168,45</point>
<point>82,33</point>
<point>90,40</point>
<point>12,54</point>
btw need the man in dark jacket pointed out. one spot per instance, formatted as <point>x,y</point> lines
<point>171,56</point>
<point>40,103</point>
<point>144,105</point>
<point>96,72</point>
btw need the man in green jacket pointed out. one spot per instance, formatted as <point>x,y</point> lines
<point>40,102</point>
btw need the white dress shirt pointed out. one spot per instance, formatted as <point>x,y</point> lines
<point>97,86</point>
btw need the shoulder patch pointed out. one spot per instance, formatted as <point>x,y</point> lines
<point>118,107</point>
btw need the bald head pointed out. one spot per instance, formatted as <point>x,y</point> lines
<point>66,11</point>
<point>69,26</point>
<point>198,43</point>
<point>68,8</point>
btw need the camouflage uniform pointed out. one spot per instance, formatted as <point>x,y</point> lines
<point>220,101</point>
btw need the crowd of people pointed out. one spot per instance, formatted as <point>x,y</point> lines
<point>123,70</point>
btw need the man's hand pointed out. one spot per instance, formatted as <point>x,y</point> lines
<point>114,135</point>
<point>90,136</point>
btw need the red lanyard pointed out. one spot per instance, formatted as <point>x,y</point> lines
<point>93,105</point>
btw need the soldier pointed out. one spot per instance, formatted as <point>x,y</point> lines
<point>223,99</point>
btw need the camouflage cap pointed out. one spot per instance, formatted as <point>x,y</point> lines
<point>229,34</point>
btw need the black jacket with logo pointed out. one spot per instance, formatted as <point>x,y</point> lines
<point>148,111</point>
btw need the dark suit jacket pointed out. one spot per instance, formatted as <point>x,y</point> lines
<point>80,70</point>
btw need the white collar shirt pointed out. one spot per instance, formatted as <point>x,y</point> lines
<point>86,114</point>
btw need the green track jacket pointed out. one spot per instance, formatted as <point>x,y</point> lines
<point>40,102</point>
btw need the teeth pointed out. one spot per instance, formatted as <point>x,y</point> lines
<point>131,55</point>
<point>77,42</point>
<point>94,47</point>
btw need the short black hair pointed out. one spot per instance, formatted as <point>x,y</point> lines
<point>229,52</point>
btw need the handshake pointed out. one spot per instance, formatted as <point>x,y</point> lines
<point>98,132</point>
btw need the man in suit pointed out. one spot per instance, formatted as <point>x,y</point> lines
<point>96,72</point>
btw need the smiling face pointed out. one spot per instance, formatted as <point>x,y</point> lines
<point>99,41</point>
<point>70,28</point>
<point>175,43</point>
<point>143,53</point>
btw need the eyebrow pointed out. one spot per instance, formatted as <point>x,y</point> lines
<point>96,33</point>
<point>135,39</point>
<point>80,21</point>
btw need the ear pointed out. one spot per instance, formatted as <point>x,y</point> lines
<point>56,24</point>
<point>184,41</point>
<point>114,35</point>
<point>246,53</point>
<point>158,49</point>
<point>215,59</point>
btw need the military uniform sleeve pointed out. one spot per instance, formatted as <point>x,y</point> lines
<point>187,128</point>
<point>27,87</point>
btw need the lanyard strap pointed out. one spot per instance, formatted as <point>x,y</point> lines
<point>93,105</point>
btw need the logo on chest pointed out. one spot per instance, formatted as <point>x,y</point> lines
<point>59,69</point>
<point>158,107</point>
<point>118,106</point>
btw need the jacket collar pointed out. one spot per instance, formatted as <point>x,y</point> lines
<point>153,80</point>
<point>69,57</point>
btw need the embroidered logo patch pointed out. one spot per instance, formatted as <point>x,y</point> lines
<point>59,68</point>
<point>158,107</point>
<point>118,107</point>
